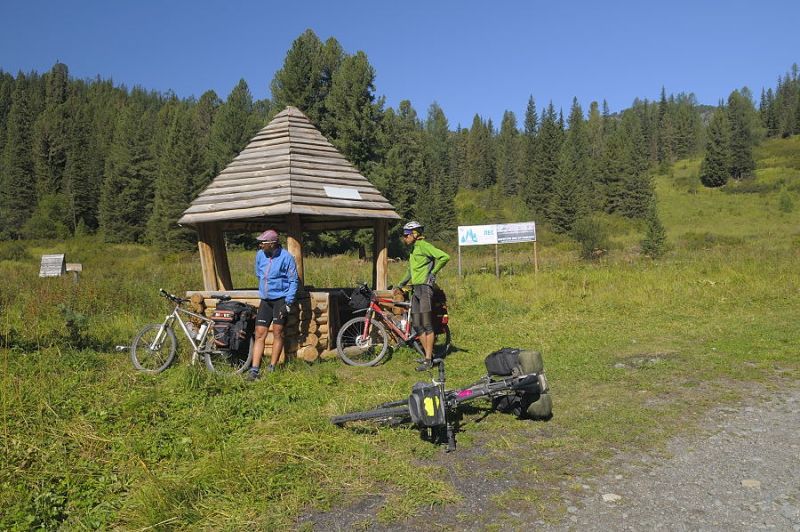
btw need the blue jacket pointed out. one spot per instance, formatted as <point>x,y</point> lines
<point>277,275</point>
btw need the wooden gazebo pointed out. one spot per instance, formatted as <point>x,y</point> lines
<point>291,178</point>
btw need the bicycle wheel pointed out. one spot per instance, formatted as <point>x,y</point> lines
<point>441,344</point>
<point>397,413</point>
<point>156,360</point>
<point>356,350</point>
<point>230,362</point>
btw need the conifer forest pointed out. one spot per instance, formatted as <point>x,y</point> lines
<point>84,156</point>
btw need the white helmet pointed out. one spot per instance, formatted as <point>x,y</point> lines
<point>412,226</point>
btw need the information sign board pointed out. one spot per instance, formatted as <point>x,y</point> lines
<point>53,266</point>
<point>517,232</point>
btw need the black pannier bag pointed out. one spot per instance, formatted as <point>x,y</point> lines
<point>360,298</point>
<point>503,362</point>
<point>426,405</point>
<point>233,325</point>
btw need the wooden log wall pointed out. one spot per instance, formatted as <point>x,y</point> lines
<point>307,334</point>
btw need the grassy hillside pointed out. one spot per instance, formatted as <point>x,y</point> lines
<point>635,350</point>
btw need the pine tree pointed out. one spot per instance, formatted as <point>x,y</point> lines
<point>637,186</point>
<point>17,185</point>
<point>740,113</point>
<point>179,165</point>
<point>127,190</point>
<point>435,202</point>
<point>715,168</point>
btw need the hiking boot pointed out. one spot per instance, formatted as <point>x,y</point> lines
<point>253,375</point>
<point>425,366</point>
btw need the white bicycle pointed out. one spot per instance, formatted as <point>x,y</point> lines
<point>155,346</point>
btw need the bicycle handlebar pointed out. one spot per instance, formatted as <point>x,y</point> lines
<point>172,297</point>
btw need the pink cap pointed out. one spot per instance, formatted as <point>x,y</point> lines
<point>270,235</point>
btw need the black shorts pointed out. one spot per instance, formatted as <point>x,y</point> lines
<point>271,311</point>
<point>421,298</point>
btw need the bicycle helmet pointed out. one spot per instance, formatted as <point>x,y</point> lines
<point>412,226</point>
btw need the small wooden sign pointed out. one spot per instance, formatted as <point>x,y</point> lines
<point>53,266</point>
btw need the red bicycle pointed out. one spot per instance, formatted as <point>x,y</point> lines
<point>365,340</point>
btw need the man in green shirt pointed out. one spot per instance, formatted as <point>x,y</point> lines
<point>425,262</point>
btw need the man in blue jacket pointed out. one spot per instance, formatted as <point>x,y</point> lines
<point>277,287</point>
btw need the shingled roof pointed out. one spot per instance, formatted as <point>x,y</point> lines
<point>288,168</point>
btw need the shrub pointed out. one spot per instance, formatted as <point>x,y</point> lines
<point>785,203</point>
<point>592,236</point>
<point>13,250</point>
<point>654,244</point>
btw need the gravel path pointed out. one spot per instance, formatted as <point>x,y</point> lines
<point>741,471</point>
<point>742,474</point>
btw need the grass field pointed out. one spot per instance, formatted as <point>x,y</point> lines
<point>635,350</point>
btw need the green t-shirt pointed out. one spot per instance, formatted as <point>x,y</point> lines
<point>426,259</point>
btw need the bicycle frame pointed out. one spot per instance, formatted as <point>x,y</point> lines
<point>198,344</point>
<point>403,335</point>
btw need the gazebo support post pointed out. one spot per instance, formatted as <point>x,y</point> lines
<point>380,270</point>
<point>294,242</point>
<point>213,258</point>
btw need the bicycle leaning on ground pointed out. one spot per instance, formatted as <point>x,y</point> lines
<point>521,389</point>
<point>154,347</point>
<point>364,340</point>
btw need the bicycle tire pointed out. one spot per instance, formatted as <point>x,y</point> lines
<point>441,344</point>
<point>377,414</point>
<point>148,361</point>
<point>227,363</point>
<point>352,349</point>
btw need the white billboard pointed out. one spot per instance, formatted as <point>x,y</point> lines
<point>477,235</point>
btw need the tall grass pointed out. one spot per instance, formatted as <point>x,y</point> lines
<point>635,350</point>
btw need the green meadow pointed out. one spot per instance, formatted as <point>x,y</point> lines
<point>635,351</point>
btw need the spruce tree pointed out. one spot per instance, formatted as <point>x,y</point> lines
<point>540,187</point>
<point>83,172</point>
<point>353,115</point>
<point>17,186</point>
<point>127,190</point>
<point>654,243</point>
<point>179,165</point>
<point>402,172</point>
<point>298,82</point>
<point>508,155</point>
<point>480,157</point>
<point>571,190</point>
<point>232,128</point>
<point>715,168</point>
<point>740,113</point>
<point>436,200</point>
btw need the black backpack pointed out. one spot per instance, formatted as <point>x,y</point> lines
<point>233,325</point>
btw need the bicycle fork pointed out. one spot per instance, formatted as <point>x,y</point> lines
<point>162,333</point>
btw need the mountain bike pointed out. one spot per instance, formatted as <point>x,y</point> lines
<point>524,392</point>
<point>364,340</point>
<point>154,347</point>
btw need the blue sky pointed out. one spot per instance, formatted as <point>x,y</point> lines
<point>468,56</point>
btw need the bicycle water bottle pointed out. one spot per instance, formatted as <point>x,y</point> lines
<point>202,331</point>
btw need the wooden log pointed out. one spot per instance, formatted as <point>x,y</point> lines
<point>322,328</point>
<point>321,318</point>
<point>312,326</point>
<point>308,353</point>
<point>323,342</point>
<point>328,354</point>
<point>311,340</point>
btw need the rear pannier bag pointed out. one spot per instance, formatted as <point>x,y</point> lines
<point>426,405</point>
<point>503,362</point>
<point>233,325</point>
<point>439,308</point>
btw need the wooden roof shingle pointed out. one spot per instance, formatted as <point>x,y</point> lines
<point>289,167</point>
